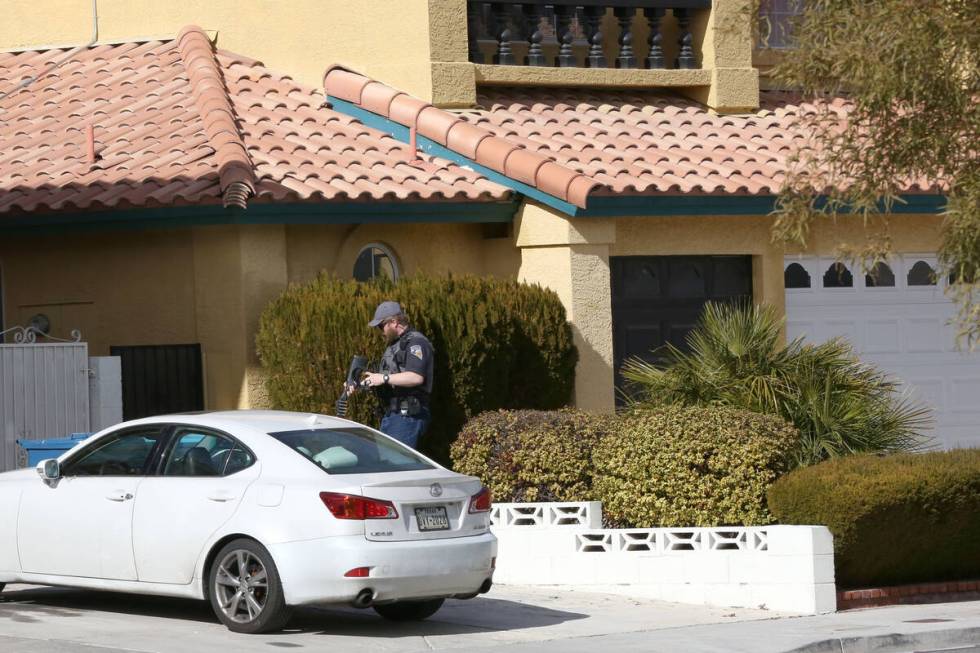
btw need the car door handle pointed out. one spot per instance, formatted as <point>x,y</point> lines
<point>221,496</point>
<point>119,496</point>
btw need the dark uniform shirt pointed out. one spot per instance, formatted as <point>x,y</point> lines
<point>412,352</point>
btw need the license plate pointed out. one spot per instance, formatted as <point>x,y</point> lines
<point>432,519</point>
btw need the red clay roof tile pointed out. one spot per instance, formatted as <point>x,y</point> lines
<point>436,124</point>
<point>377,97</point>
<point>493,152</point>
<point>178,123</point>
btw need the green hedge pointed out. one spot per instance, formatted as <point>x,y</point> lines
<point>677,466</point>
<point>526,456</point>
<point>896,519</point>
<point>498,344</point>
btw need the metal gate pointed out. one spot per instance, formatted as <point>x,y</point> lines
<point>160,379</point>
<point>44,391</point>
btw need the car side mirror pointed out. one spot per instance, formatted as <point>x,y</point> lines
<point>49,470</point>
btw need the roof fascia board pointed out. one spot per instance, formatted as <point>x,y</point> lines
<point>403,134</point>
<point>681,205</point>
<point>297,213</point>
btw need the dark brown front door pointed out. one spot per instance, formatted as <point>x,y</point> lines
<point>658,299</point>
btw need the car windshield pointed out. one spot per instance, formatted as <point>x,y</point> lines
<point>351,451</point>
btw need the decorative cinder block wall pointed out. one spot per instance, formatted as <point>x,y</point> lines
<point>780,568</point>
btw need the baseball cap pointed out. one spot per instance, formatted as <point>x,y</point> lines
<point>384,311</point>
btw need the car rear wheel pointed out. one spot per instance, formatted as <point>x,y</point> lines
<point>245,590</point>
<point>409,610</point>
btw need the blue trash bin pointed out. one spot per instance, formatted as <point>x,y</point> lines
<point>38,450</point>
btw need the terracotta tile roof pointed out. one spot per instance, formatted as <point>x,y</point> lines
<point>573,143</point>
<point>477,143</point>
<point>176,123</point>
<point>649,142</point>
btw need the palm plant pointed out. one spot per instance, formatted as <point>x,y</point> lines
<point>839,404</point>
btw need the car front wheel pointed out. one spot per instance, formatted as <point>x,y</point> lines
<point>245,590</point>
<point>409,610</point>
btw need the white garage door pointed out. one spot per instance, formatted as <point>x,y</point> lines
<point>897,319</point>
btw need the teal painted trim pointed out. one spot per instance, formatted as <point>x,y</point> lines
<point>371,119</point>
<point>299,213</point>
<point>665,205</point>
<point>429,146</point>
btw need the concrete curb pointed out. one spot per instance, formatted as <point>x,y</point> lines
<point>894,642</point>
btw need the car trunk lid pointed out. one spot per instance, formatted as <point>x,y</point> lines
<point>430,507</point>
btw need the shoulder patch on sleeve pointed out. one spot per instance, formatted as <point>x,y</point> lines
<point>416,350</point>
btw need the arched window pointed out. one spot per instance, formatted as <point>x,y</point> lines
<point>880,276</point>
<point>796,276</point>
<point>376,260</point>
<point>922,274</point>
<point>838,276</point>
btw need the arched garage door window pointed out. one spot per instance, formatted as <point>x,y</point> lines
<point>880,276</point>
<point>921,274</point>
<point>376,260</point>
<point>795,277</point>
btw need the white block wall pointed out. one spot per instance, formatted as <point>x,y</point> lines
<point>784,568</point>
<point>105,392</point>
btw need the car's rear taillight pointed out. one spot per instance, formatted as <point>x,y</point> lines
<point>358,572</point>
<point>480,502</point>
<point>351,506</point>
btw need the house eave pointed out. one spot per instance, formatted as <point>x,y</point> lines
<point>171,217</point>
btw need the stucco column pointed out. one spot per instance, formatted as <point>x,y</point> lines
<point>264,275</point>
<point>571,256</point>
<point>727,53</point>
<point>238,270</point>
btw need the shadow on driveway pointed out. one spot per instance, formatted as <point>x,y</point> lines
<point>482,614</point>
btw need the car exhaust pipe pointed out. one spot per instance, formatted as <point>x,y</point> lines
<point>487,584</point>
<point>364,598</point>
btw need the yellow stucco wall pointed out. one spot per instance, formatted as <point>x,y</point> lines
<point>203,285</point>
<point>911,233</point>
<point>431,248</point>
<point>111,286</point>
<point>385,39</point>
<point>419,46</point>
<point>209,285</point>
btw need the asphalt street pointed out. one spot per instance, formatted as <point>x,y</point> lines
<point>518,619</point>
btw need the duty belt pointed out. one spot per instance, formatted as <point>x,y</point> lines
<point>401,404</point>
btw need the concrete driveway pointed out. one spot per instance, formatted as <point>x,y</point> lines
<point>49,620</point>
<point>510,618</point>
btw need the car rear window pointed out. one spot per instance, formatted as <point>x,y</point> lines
<point>351,451</point>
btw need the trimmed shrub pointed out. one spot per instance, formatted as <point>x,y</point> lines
<point>676,466</point>
<point>498,344</point>
<point>896,519</point>
<point>528,455</point>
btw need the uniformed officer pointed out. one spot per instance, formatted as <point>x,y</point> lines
<point>404,381</point>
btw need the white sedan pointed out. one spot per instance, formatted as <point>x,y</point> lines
<point>255,511</point>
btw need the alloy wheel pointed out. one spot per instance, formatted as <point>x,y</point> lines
<point>241,586</point>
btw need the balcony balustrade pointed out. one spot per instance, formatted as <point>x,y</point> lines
<point>654,34</point>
